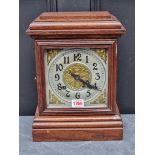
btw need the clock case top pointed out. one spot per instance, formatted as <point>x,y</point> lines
<point>59,30</point>
<point>101,24</point>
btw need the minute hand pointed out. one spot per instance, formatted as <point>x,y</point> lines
<point>77,77</point>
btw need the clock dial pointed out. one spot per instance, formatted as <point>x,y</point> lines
<point>75,74</point>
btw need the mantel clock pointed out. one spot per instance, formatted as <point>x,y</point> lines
<point>76,59</point>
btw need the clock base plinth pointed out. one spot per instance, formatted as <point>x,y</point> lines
<point>77,128</point>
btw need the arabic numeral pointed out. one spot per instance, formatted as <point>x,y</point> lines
<point>77,95</point>
<point>60,87</point>
<point>59,67</point>
<point>97,76</point>
<point>67,94</point>
<point>77,57</point>
<point>88,93</point>
<point>86,59</point>
<point>95,66</point>
<point>57,77</point>
<point>66,60</point>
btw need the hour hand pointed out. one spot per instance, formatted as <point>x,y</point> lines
<point>78,78</point>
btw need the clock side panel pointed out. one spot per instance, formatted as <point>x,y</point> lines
<point>52,53</point>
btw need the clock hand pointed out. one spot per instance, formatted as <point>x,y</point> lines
<point>93,86</point>
<point>77,77</point>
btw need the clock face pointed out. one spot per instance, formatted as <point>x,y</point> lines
<point>76,76</point>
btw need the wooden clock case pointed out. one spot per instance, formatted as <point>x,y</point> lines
<point>82,30</point>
